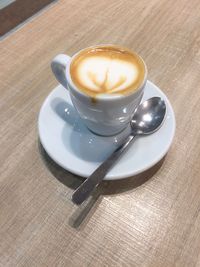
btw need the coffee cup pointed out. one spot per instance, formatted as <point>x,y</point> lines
<point>106,84</point>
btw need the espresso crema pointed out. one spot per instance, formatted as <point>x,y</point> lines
<point>107,70</point>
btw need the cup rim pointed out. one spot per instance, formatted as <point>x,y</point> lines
<point>105,97</point>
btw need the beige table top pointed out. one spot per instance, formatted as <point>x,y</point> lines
<point>149,220</point>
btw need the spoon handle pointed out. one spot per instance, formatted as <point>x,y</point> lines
<point>86,188</point>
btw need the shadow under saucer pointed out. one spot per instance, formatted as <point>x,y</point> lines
<point>85,211</point>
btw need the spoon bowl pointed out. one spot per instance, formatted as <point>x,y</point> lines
<point>148,116</point>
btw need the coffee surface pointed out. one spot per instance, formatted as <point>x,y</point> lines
<point>107,70</point>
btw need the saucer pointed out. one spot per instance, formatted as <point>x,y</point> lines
<point>72,146</point>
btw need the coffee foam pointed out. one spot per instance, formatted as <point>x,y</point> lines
<point>107,71</point>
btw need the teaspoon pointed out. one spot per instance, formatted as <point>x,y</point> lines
<point>147,118</point>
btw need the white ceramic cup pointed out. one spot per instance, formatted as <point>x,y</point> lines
<point>109,114</point>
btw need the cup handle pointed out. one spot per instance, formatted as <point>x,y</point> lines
<point>58,66</point>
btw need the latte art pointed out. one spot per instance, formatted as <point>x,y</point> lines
<point>106,74</point>
<point>107,70</point>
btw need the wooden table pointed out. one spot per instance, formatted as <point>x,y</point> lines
<point>152,219</point>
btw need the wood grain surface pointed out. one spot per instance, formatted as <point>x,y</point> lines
<point>152,219</point>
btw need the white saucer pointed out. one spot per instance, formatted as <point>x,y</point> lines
<point>72,146</point>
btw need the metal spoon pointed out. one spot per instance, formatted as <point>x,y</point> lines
<point>147,119</point>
